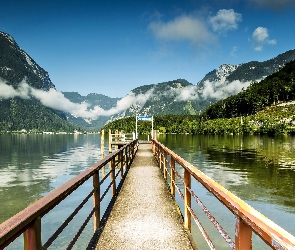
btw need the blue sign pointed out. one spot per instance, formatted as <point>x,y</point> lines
<point>144,118</point>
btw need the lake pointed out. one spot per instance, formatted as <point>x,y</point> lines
<point>258,169</point>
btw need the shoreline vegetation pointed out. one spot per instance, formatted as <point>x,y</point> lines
<point>265,107</point>
<point>276,119</point>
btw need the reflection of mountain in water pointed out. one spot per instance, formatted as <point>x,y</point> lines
<point>246,165</point>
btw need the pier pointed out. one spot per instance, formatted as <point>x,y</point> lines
<point>145,216</point>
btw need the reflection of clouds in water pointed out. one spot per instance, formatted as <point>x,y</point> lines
<point>62,164</point>
<point>225,176</point>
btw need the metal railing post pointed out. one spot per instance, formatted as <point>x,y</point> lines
<point>243,235</point>
<point>172,173</point>
<point>160,157</point>
<point>164,164</point>
<point>187,199</point>
<point>96,200</point>
<point>121,157</point>
<point>32,236</point>
<point>113,177</point>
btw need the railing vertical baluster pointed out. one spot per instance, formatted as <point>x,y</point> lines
<point>126,159</point>
<point>121,157</point>
<point>172,173</point>
<point>160,157</point>
<point>32,236</point>
<point>243,235</point>
<point>164,164</point>
<point>96,200</point>
<point>113,177</point>
<point>187,199</point>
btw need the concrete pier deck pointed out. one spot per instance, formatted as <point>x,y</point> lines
<point>144,215</point>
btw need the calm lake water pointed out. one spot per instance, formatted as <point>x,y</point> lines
<point>258,169</point>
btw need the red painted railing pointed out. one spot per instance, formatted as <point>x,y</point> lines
<point>28,221</point>
<point>248,219</point>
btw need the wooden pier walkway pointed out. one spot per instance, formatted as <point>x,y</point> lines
<point>144,216</point>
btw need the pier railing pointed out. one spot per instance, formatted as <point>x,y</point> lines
<point>28,221</point>
<point>248,219</point>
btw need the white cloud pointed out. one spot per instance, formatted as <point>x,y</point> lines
<point>225,20</point>
<point>57,100</point>
<point>184,28</point>
<point>7,91</point>
<point>188,93</point>
<point>183,94</point>
<point>260,34</point>
<point>260,37</point>
<point>222,90</point>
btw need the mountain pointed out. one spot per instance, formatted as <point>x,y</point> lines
<point>93,100</point>
<point>181,97</point>
<point>274,89</point>
<point>265,107</point>
<point>16,65</point>
<point>18,109</point>
<point>172,97</point>
<point>250,71</point>
<point>20,75</point>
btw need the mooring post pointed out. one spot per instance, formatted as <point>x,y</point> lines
<point>102,151</point>
<point>110,141</point>
<point>102,144</point>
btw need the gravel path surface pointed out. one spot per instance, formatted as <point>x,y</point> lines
<point>144,215</point>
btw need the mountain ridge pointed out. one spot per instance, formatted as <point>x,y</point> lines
<point>19,75</point>
<point>171,97</point>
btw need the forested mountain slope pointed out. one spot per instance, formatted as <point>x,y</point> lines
<point>18,109</point>
<point>278,87</point>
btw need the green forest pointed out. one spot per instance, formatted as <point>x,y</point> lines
<point>265,107</point>
<point>31,116</point>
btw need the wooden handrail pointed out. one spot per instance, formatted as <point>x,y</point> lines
<point>248,219</point>
<point>28,221</point>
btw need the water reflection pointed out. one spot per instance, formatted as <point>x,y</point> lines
<point>258,169</point>
<point>33,165</point>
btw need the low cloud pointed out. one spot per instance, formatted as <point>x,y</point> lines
<point>225,20</point>
<point>188,93</point>
<point>57,100</point>
<point>222,90</point>
<point>260,38</point>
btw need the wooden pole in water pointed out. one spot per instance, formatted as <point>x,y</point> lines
<point>102,144</point>
<point>110,141</point>
<point>117,139</point>
<point>102,150</point>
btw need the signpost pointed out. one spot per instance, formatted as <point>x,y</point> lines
<point>145,118</point>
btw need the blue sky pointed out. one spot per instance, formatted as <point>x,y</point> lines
<point>112,47</point>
